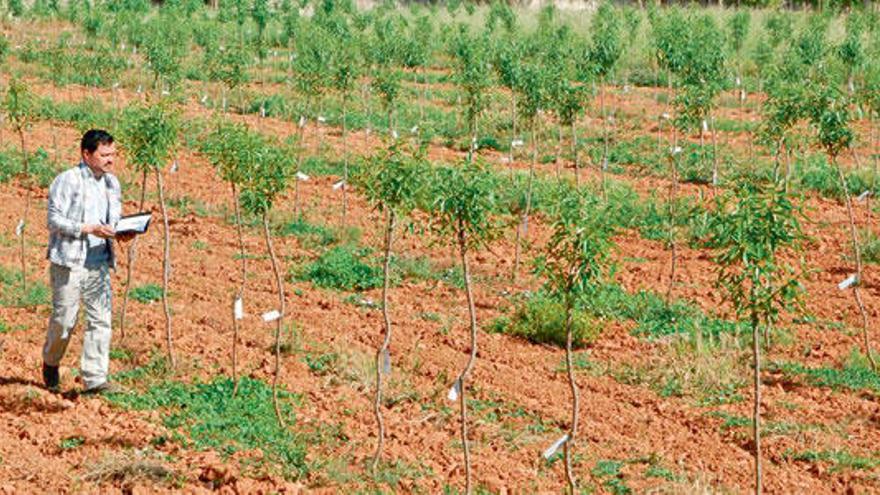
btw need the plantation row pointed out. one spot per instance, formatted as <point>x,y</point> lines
<point>510,86</point>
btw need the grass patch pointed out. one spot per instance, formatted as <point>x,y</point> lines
<point>310,235</point>
<point>71,443</point>
<point>609,474</point>
<point>146,294</point>
<point>342,268</point>
<point>541,319</point>
<point>840,460</point>
<point>13,294</point>
<point>856,374</point>
<point>205,416</point>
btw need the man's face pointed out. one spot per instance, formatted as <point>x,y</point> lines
<point>101,160</point>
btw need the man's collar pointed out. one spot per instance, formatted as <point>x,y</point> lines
<point>87,172</point>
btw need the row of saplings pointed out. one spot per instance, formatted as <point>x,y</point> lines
<point>753,230</point>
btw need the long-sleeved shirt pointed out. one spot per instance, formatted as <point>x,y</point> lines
<point>71,196</point>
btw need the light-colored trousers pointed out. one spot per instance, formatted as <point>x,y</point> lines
<point>92,285</point>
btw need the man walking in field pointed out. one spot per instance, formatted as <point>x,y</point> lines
<point>84,206</point>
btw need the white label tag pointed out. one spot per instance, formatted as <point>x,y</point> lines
<point>676,150</point>
<point>204,99</point>
<point>553,448</point>
<point>174,166</point>
<point>625,88</point>
<point>414,129</point>
<point>165,92</point>
<point>605,163</point>
<point>115,85</point>
<point>454,391</point>
<point>738,82</point>
<point>742,95</point>
<point>321,119</point>
<point>864,195</point>
<point>339,185</point>
<point>394,134</point>
<point>271,315</point>
<point>262,111</point>
<point>238,308</point>
<point>301,176</point>
<point>665,116</point>
<point>705,126</point>
<point>139,88</point>
<point>516,142</point>
<point>302,120</point>
<point>19,228</point>
<point>848,282</point>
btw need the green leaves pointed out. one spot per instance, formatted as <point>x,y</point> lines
<point>270,170</point>
<point>607,43</point>
<point>150,134</point>
<point>758,224</point>
<point>394,179</point>
<point>577,255</point>
<point>19,104</point>
<point>464,198</point>
<point>230,148</point>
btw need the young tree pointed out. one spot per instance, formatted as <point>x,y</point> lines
<point>605,50</point>
<point>345,69</point>
<point>472,73</point>
<point>464,198</point>
<point>508,65</point>
<point>271,170</point>
<point>533,88</point>
<point>393,181</point>
<point>575,261</point>
<point>20,104</point>
<point>230,148</point>
<point>151,135</point>
<point>829,115</point>
<point>228,64</point>
<point>758,226</point>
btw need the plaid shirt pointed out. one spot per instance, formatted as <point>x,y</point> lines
<point>66,214</point>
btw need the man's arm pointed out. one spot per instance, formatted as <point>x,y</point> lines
<point>61,193</point>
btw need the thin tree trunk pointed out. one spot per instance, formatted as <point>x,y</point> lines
<point>673,194</point>
<point>166,268</point>
<point>574,153</point>
<point>279,284</point>
<point>756,413</point>
<point>715,173</point>
<point>558,160</point>
<point>383,349</point>
<point>344,162</point>
<point>27,208</point>
<point>240,293</point>
<point>604,137</point>
<point>513,134</point>
<point>522,233</point>
<point>857,254</point>
<point>472,311</point>
<point>575,398</point>
<point>132,256</point>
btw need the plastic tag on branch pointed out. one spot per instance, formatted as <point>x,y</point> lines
<point>302,120</point>
<point>705,126</point>
<point>848,282</point>
<point>852,86</point>
<point>165,92</point>
<point>714,178</point>
<point>238,308</point>
<point>274,53</point>
<point>115,85</point>
<point>122,46</point>
<point>738,81</point>
<point>394,134</point>
<point>516,143</point>
<point>555,446</point>
<point>271,315</point>
<point>605,163</point>
<point>301,176</point>
<point>322,119</point>
<point>339,185</point>
<point>454,391</point>
<point>625,88</point>
<point>864,195</point>
<point>140,89</point>
<point>414,129</point>
<point>611,119</point>
<point>386,362</point>
<point>223,103</point>
<point>665,116</point>
<point>175,166</point>
<point>262,111</point>
<point>19,228</point>
<point>742,95</point>
<point>676,150</point>
<point>204,99</point>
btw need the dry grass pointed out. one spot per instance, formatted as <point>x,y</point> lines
<point>128,468</point>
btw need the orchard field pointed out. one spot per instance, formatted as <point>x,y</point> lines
<point>453,248</point>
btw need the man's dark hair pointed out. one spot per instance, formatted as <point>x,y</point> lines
<point>94,137</point>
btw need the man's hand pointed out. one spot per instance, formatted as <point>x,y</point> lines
<point>125,238</point>
<point>102,231</point>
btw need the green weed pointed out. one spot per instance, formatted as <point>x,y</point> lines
<point>146,293</point>
<point>342,268</point>
<point>541,319</point>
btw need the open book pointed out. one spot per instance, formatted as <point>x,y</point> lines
<point>134,224</point>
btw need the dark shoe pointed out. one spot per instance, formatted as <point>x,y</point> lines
<point>51,378</point>
<point>104,389</point>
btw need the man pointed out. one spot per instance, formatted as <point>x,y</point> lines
<point>84,206</point>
